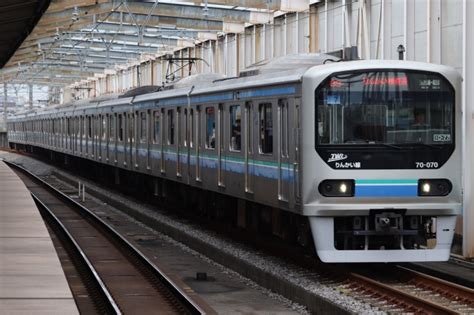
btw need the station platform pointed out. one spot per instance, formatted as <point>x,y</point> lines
<point>32,280</point>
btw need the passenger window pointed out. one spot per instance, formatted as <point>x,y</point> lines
<point>156,127</point>
<point>171,127</point>
<point>120,121</point>
<point>143,127</point>
<point>235,128</point>
<point>210,128</point>
<point>266,128</point>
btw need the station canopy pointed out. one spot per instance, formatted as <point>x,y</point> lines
<point>77,39</point>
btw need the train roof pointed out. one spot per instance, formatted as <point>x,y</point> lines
<point>276,71</point>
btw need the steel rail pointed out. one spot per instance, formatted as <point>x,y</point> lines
<point>182,297</point>
<point>112,304</point>
<point>401,296</point>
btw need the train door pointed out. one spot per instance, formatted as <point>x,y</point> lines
<point>191,144</point>
<point>108,137</point>
<point>92,136</point>
<point>179,141</point>
<point>131,138</point>
<point>126,139</point>
<point>296,151</point>
<point>283,151</point>
<point>248,149</point>
<point>197,143</point>
<point>171,134</point>
<point>220,146</point>
<point>98,136</point>
<point>137,138</point>
<point>87,130</point>
<point>162,141</point>
<point>149,137</point>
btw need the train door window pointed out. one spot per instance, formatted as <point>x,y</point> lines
<point>266,128</point>
<point>284,130</point>
<point>186,130</point>
<point>89,126</point>
<point>235,128</point>
<point>178,126</point>
<point>120,127</point>
<point>156,127</point>
<point>143,127</point>
<point>131,128</point>
<point>112,127</point>
<point>104,127</point>
<point>210,128</point>
<point>170,127</point>
<point>191,127</point>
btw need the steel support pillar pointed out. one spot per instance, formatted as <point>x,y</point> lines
<point>468,110</point>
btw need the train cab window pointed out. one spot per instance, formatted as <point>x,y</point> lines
<point>171,127</point>
<point>156,127</point>
<point>210,128</point>
<point>143,127</point>
<point>235,128</point>
<point>120,127</point>
<point>266,128</point>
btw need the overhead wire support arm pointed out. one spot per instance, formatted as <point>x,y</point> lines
<point>170,77</point>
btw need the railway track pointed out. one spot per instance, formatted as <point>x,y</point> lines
<point>390,288</point>
<point>118,276</point>
<point>401,290</point>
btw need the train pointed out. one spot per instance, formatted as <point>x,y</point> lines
<point>368,152</point>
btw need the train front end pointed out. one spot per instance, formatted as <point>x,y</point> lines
<point>381,160</point>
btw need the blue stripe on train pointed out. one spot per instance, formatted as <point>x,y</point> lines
<point>386,190</point>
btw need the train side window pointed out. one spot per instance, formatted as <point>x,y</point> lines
<point>266,128</point>
<point>210,128</point>
<point>120,127</point>
<point>170,127</point>
<point>143,127</point>
<point>235,128</point>
<point>156,127</point>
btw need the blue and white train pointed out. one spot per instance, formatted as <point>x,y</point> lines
<point>367,152</point>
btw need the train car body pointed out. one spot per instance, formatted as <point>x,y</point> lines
<point>342,143</point>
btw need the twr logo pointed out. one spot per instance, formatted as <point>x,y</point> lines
<point>337,157</point>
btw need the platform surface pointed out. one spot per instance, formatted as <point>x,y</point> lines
<point>31,278</point>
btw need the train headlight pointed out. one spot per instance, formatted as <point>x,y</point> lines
<point>434,187</point>
<point>337,188</point>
